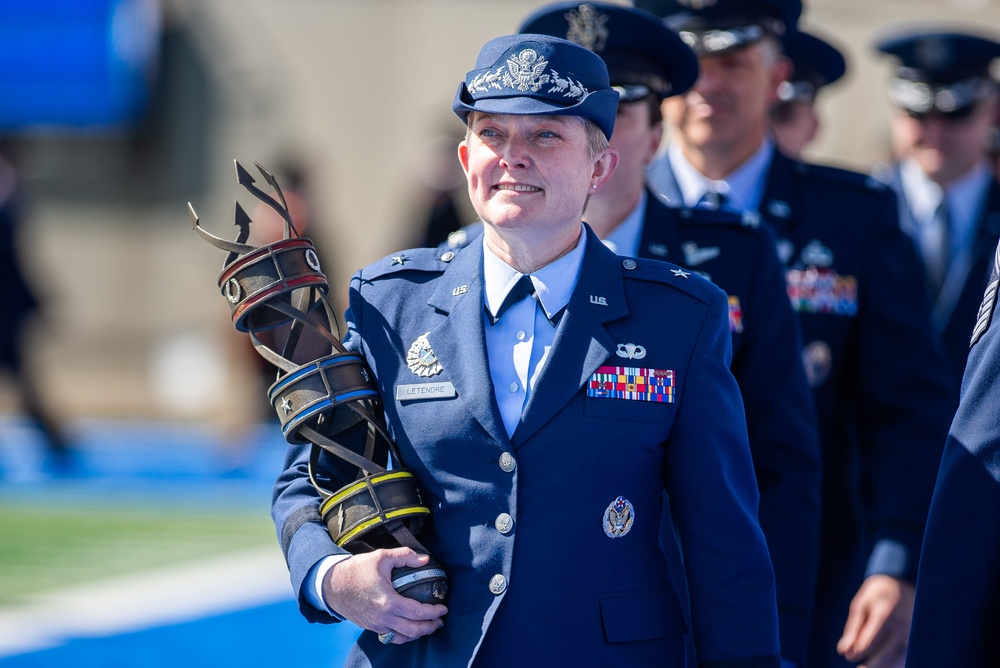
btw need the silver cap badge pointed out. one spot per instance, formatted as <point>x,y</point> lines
<point>587,27</point>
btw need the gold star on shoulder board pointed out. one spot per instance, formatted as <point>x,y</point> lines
<point>680,273</point>
<point>399,259</point>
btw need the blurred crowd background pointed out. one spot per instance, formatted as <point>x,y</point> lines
<point>116,113</point>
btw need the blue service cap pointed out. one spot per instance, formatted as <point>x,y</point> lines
<point>538,75</point>
<point>946,72</point>
<point>711,27</point>
<point>816,63</point>
<point>643,55</point>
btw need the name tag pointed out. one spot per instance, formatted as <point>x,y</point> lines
<point>422,391</point>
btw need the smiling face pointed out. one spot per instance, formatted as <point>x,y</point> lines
<point>530,176</point>
<point>726,113</point>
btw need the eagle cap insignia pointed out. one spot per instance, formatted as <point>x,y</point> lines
<point>421,360</point>
<point>618,518</point>
<point>526,71</point>
<point>588,27</point>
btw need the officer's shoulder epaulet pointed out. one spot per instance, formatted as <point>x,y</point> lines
<point>840,177</point>
<point>414,259</point>
<point>668,273</point>
<point>747,220</point>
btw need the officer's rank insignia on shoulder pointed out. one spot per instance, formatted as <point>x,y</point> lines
<point>618,518</point>
<point>632,383</point>
<point>421,360</point>
<point>989,304</point>
<point>414,259</point>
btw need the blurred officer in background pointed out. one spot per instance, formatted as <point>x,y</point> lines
<point>816,63</point>
<point>877,371</point>
<point>572,387</point>
<point>647,62</point>
<point>18,304</point>
<point>944,109</point>
<point>956,616</point>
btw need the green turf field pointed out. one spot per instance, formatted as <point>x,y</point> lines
<point>43,547</point>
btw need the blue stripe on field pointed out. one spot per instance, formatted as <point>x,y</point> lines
<point>272,635</point>
<point>169,465</point>
<point>133,458</point>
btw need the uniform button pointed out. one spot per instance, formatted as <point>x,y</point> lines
<point>520,335</point>
<point>514,387</point>
<point>507,463</point>
<point>498,584</point>
<point>504,523</point>
<point>629,264</point>
<point>448,257</point>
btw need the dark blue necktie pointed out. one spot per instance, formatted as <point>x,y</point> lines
<point>712,199</point>
<point>523,288</point>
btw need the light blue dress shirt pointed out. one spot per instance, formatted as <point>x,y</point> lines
<point>517,347</point>
<point>965,197</point>
<point>743,188</point>
<point>624,239</point>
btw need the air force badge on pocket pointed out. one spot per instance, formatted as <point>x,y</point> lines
<point>618,518</point>
<point>633,383</point>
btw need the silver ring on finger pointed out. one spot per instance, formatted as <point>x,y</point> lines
<point>387,638</point>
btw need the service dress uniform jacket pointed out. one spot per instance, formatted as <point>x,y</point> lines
<point>550,585</point>
<point>956,615</point>
<point>877,370</point>
<point>955,307</point>
<point>738,254</point>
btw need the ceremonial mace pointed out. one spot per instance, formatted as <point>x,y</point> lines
<point>279,287</point>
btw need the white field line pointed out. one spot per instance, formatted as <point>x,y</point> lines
<point>145,600</point>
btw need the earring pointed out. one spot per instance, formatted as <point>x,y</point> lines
<point>594,186</point>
